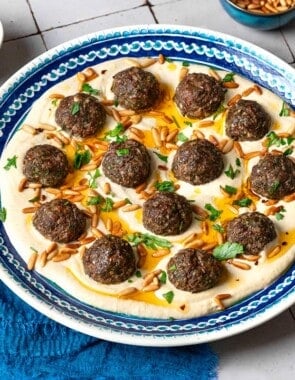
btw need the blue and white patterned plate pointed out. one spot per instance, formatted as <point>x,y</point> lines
<point>183,43</point>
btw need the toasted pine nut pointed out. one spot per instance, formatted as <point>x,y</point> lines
<point>140,188</point>
<point>214,140</point>
<point>248,156</point>
<point>52,254</point>
<point>231,84</point>
<point>43,259</point>
<point>129,208</point>
<point>276,250</point>
<point>135,137</point>
<point>96,232</point>
<point>156,137</point>
<point>219,303</point>
<point>200,212</point>
<point>127,291</point>
<point>214,74</point>
<point>52,246</point>
<point>248,91</point>
<point>238,149</point>
<point>87,240</point>
<point>206,123</point>
<point>147,62</point>
<point>171,146</point>
<point>250,257</point>
<point>171,136</point>
<point>90,73</point>
<point>61,257</point>
<point>32,261</point>
<point>119,204</point>
<point>198,134</point>
<point>109,224</point>
<point>161,59</point>
<point>183,72</point>
<point>161,252</point>
<point>289,198</point>
<point>137,131</point>
<point>258,89</point>
<point>47,127</point>
<point>81,77</point>
<point>189,238</point>
<point>29,129</point>
<point>107,188</point>
<point>22,184</point>
<point>71,251</point>
<point>239,264</point>
<point>29,210</point>
<point>223,296</point>
<point>151,288</point>
<point>196,243</point>
<point>234,100</point>
<point>141,250</point>
<point>228,146</point>
<point>94,220</point>
<point>148,279</point>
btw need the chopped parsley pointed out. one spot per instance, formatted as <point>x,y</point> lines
<point>231,173</point>
<point>54,102</point>
<point>3,214</point>
<point>272,139</point>
<point>75,108</point>
<point>238,162</point>
<point>230,189</point>
<point>285,111</point>
<point>163,278</point>
<point>168,296</point>
<point>82,157</point>
<point>218,227</point>
<point>122,152</point>
<point>182,137</point>
<point>214,213</point>
<point>185,64</point>
<point>138,274</point>
<point>274,187</point>
<point>35,199</point>
<point>244,202</point>
<point>279,215</point>
<point>219,111</point>
<point>229,77</point>
<point>150,241</point>
<point>116,102</point>
<point>228,251</point>
<point>86,87</point>
<point>288,151</point>
<point>172,268</point>
<point>92,179</point>
<point>188,123</point>
<point>115,134</point>
<point>11,163</point>
<point>161,156</point>
<point>108,205</point>
<point>96,200</point>
<point>165,186</point>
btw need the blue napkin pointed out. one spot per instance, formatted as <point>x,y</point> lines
<point>35,347</point>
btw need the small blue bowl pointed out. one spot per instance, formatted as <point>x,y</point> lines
<point>258,21</point>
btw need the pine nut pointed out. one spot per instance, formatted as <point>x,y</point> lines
<point>156,137</point>
<point>127,291</point>
<point>32,261</point>
<point>129,208</point>
<point>61,257</point>
<point>29,129</point>
<point>275,251</point>
<point>22,184</point>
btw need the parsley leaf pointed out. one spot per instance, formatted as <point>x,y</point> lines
<point>168,296</point>
<point>11,163</point>
<point>214,213</point>
<point>228,251</point>
<point>244,202</point>
<point>185,64</point>
<point>285,111</point>
<point>182,137</point>
<point>150,241</point>
<point>86,87</point>
<point>161,156</point>
<point>229,77</point>
<point>218,227</point>
<point>3,214</point>
<point>95,200</point>
<point>116,134</point>
<point>231,173</point>
<point>163,278</point>
<point>82,157</point>
<point>165,186</point>
<point>279,215</point>
<point>122,152</point>
<point>274,187</point>
<point>93,177</point>
<point>108,205</point>
<point>230,189</point>
<point>75,108</point>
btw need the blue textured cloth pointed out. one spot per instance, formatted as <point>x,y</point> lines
<point>35,347</point>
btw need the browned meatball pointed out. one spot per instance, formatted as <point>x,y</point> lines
<point>197,162</point>
<point>247,121</point>
<point>273,176</point>
<point>194,270</point>
<point>81,114</point>
<point>60,220</point>
<point>253,230</point>
<point>127,163</point>
<point>109,260</point>
<point>45,164</point>
<point>167,213</point>
<point>199,95</point>
<point>136,89</point>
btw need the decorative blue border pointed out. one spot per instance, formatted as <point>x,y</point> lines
<point>194,45</point>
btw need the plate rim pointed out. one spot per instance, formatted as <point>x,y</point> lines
<point>108,334</point>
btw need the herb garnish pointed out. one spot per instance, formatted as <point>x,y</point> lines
<point>86,87</point>
<point>228,251</point>
<point>11,163</point>
<point>108,205</point>
<point>163,278</point>
<point>165,186</point>
<point>272,139</point>
<point>150,241</point>
<point>185,64</point>
<point>279,215</point>
<point>168,296</point>
<point>285,111</point>
<point>115,134</point>
<point>161,156</point>
<point>214,213</point>
<point>172,268</point>
<point>96,200</point>
<point>229,77</point>
<point>54,102</point>
<point>218,227</point>
<point>75,108</point>
<point>231,173</point>
<point>288,151</point>
<point>188,123</point>
<point>138,274</point>
<point>274,187</point>
<point>35,199</point>
<point>82,157</point>
<point>122,152</point>
<point>3,214</point>
<point>219,111</point>
<point>182,137</point>
<point>244,202</point>
<point>229,189</point>
<point>93,177</point>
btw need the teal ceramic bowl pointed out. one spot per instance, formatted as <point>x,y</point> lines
<point>258,21</point>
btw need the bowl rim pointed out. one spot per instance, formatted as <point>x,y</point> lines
<point>266,15</point>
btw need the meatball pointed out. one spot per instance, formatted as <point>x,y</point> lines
<point>197,162</point>
<point>194,270</point>
<point>60,220</point>
<point>167,213</point>
<point>127,163</point>
<point>136,89</point>
<point>253,230</point>
<point>109,260</point>
<point>198,95</point>
<point>273,176</point>
<point>247,121</point>
<point>81,114</point>
<point>45,164</point>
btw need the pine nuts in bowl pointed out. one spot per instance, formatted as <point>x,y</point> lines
<point>260,14</point>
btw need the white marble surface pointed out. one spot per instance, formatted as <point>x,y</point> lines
<point>34,26</point>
